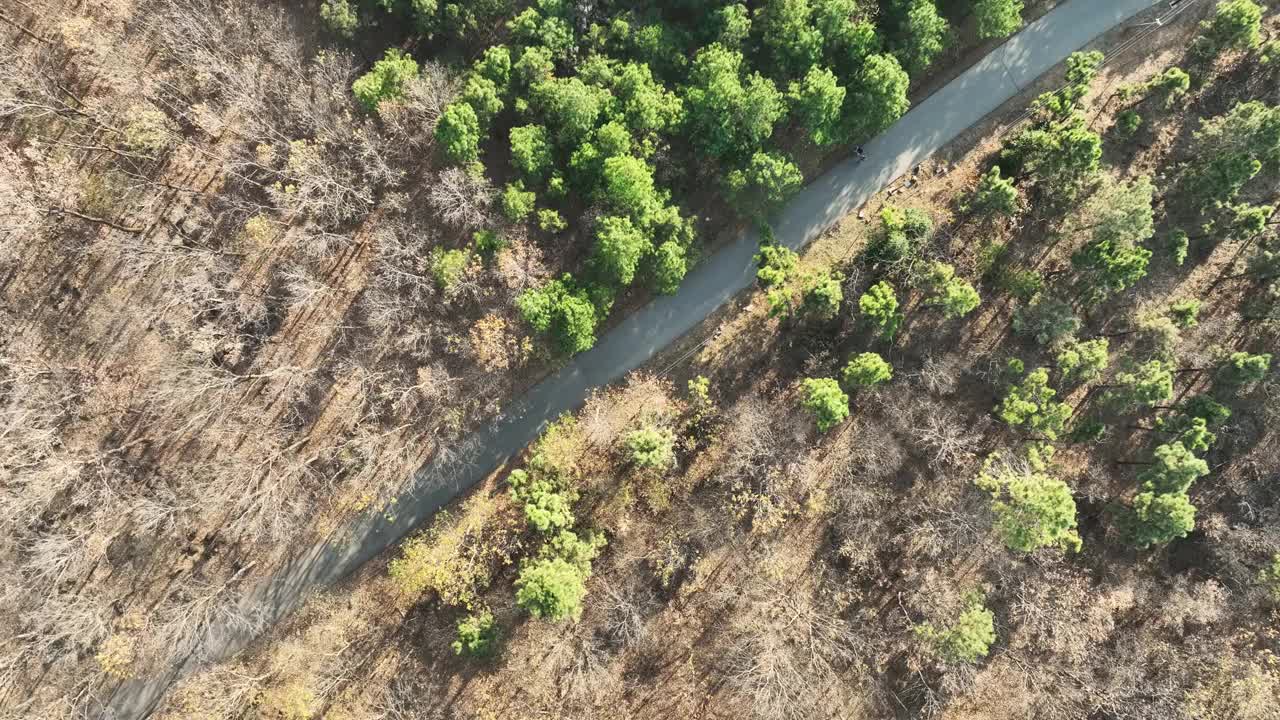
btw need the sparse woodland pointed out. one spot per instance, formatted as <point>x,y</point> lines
<point>1010,456</point>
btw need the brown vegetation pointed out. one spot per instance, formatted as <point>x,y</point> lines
<point>778,573</point>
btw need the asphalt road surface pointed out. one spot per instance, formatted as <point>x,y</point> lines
<point>922,131</point>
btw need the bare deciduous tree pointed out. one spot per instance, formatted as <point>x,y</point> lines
<point>461,199</point>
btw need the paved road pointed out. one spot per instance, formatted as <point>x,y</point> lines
<point>921,132</point>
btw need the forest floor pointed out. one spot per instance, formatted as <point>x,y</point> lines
<point>367,652</point>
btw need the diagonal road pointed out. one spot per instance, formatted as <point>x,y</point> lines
<point>944,115</point>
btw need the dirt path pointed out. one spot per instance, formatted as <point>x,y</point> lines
<point>942,117</point>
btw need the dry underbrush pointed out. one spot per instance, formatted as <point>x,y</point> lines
<point>775,573</point>
<point>221,330</point>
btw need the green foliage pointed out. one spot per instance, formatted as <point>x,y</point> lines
<point>619,247</point>
<point>1247,221</point>
<point>1269,53</point>
<point>852,37</point>
<point>902,232</point>
<point>495,65</point>
<point>448,266</point>
<point>517,203</point>
<point>1063,103</point>
<point>997,18</point>
<point>1177,246</point>
<point>628,185</point>
<point>1155,337</point>
<point>1230,150</point>
<point>533,67</point>
<point>954,295</point>
<point>1090,430</point>
<point>732,25</point>
<point>1235,25</point>
<point>816,101</point>
<point>1243,368</point>
<point>822,295</point>
<point>1149,383</point>
<point>668,267</point>
<point>1024,284</point>
<point>1269,577</point>
<point>387,79</point>
<point>1047,319</point>
<point>423,13</point>
<point>547,503</point>
<point>1082,361</point>
<point>646,105</point>
<point>791,43</point>
<point>552,221</point>
<point>867,369</point>
<point>461,18</point>
<point>1190,425</point>
<point>552,585</point>
<point>1206,408</point>
<point>570,106</point>
<point>1173,471</point>
<point>484,98</point>
<point>1121,216</point>
<point>1185,313</point>
<point>477,635</point>
<point>1120,212</point>
<point>1030,404</point>
<point>650,447</point>
<point>488,242</point>
<point>531,152</point>
<point>1128,122</point>
<point>340,17</point>
<point>1194,434</point>
<point>458,133</point>
<point>577,551</point>
<point>1063,154</point>
<point>877,96</point>
<point>551,588</point>
<point>1169,86</point>
<point>994,195</point>
<point>828,403</point>
<point>726,113</point>
<point>969,639</point>
<point>562,309</point>
<point>776,264</point>
<point>769,180</point>
<point>1264,266</point>
<point>700,393</point>
<point>922,36</point>
<point>1033,510</point>
<point>546,25</point>
<point>879,305</point>
<point>1156,519</point>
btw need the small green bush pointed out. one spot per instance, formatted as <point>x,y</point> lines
<point>969,639</point>
<point>867,369</point>
<point>448,266</point>
<point>518,203</point>
<point>1128,122</point>
<point>477,635</point>
<point>551,221</point>
<point>489,242</point>
<point>651,448</point>
<point>387,79</point>
<point>879,305</point>
<point>828,403</point>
